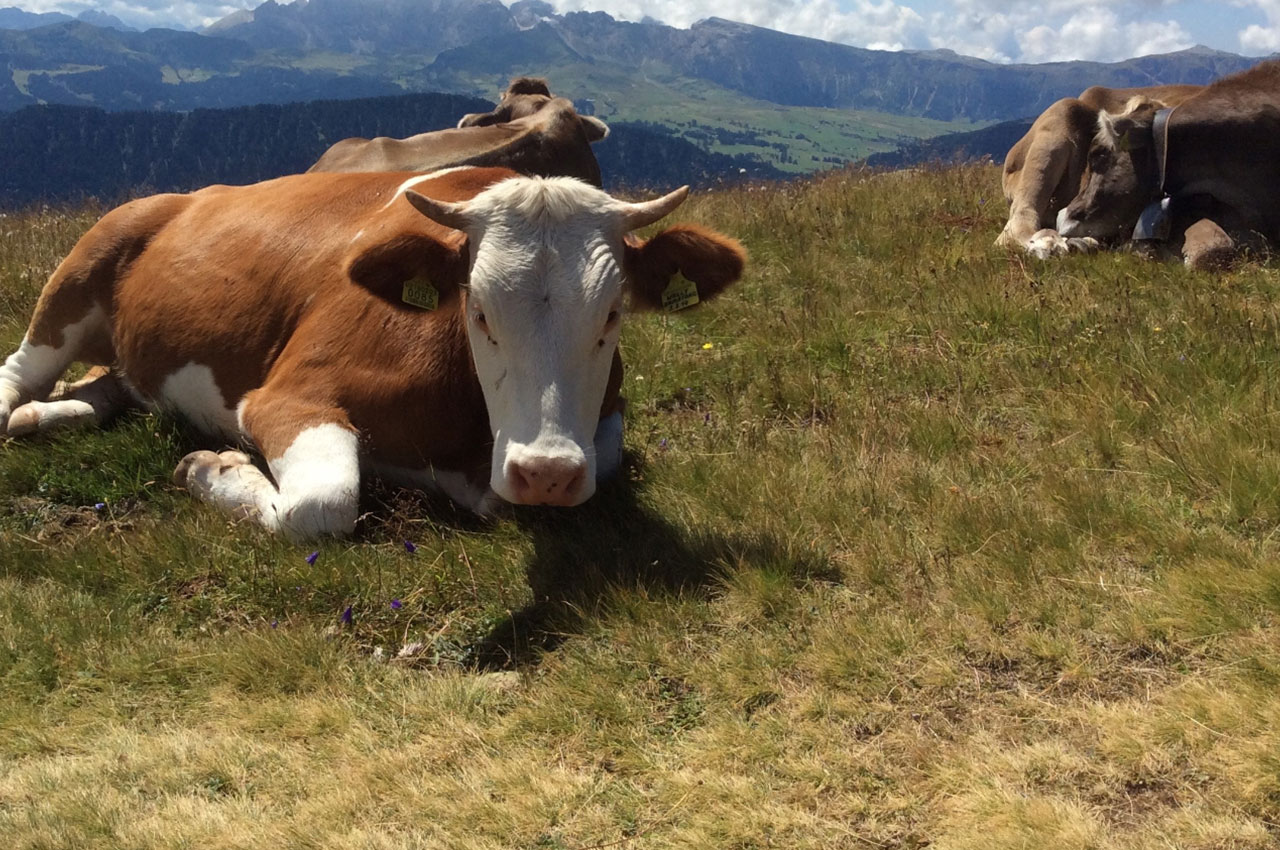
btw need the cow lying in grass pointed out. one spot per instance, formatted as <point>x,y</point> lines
<point>456,330</point>
<point>530,132</point>
<point>1213,162</point>
<point>1042,170</point>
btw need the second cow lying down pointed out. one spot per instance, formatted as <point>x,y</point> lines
<point>457,330</point>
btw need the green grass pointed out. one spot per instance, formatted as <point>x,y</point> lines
<point>944,547</point>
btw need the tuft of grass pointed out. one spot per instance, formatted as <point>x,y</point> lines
<point>933,546</point>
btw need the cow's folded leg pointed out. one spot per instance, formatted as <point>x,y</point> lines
<point>91,401</point>
<point>1207,247</point>
<point>313,453</point>
<point>229,481</point>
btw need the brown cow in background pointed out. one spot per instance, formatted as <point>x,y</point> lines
<point>1043,170</point>
<point>531,132</point>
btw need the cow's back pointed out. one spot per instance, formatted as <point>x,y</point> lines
<point>272,259</point>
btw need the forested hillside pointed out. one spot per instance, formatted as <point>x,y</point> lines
<point>57,153</point>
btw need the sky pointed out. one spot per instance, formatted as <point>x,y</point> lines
<point>999,31</point>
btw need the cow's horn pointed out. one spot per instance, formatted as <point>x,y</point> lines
<point>443,212</point>
<point>647,212</point>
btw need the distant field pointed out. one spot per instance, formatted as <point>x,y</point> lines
<point>919,544</point>
<point>794,139</point>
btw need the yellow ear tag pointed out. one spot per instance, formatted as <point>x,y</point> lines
<point>679,294</point>
<point>419,292</point>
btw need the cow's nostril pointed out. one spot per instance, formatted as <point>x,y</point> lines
<point>546,480</point>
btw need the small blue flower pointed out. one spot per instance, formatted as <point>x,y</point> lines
<point>99,506</point>
<point>662,444</point>
<point>346,616</point>
<point>409,547</point>
<point>396,604</point>
<point>311,559</point>
<point>275,623</point>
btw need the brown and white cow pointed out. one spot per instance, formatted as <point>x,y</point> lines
<point>1215,156</point>
<point>532,133</point>
<point>456,330</point>
<point>1042,171</point>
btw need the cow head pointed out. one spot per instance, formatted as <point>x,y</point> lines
<point>551,260</point>
<point>528,96</point>
<point>1122,175</point>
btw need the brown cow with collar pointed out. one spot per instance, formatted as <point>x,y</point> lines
<point>455,330</point>
<point>1042,171</point>
<point>530,132</point>
<point>1217,160</point>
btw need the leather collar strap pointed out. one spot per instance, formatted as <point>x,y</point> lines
<point>1160,136</point>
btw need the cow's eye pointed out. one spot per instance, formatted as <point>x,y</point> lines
<point>612,319</point>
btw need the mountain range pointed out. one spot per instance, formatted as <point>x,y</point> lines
<point>797,104</point>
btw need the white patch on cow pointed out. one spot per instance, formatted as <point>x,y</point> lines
<point>413,182</point>
<point>193,392</point>
<point>319,483</point>
<point>546,275</point>
<point>32,370</point>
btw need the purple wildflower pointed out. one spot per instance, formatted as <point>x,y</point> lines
<point>396,604</point>
<point>311,559</point>
<point>662,444</point>
<point>346,616</point>
<point>99,506</point>
<point>706,419</point>
<point>275,623</point>
<point>409,547</point>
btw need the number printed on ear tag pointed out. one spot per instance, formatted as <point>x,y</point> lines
<point>679,294</point>
<point>419,292</point>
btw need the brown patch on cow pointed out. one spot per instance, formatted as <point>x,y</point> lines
<point>262,316</point>
<point>87,277</point>
<point>711,260</point>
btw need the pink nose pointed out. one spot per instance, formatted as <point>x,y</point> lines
<point>546,480</point>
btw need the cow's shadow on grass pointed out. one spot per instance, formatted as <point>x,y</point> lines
<point>613,542</point>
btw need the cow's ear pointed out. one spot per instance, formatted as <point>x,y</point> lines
<point>708,260</point>
<point>593,127</point>
<point>410,269</point>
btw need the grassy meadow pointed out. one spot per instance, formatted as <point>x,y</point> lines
<point>919,543</point>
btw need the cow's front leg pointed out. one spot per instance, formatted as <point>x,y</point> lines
<point>313,454</point>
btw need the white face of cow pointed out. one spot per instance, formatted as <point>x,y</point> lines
<point>543,314</point>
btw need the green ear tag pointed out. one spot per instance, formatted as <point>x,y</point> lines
<point>679,294</point>
<point>419,292</point>
<point>1123,143</point>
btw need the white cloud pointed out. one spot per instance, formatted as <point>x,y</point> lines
<point>996,30</point>
<point>1096,32</point>
<point>887,24</point>
<point>186,14</point>
<point>1262,39</point>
